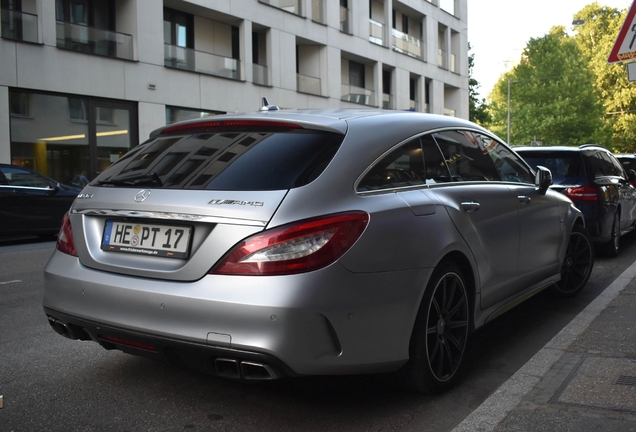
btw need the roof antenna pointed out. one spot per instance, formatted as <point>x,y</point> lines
<point>267,107</point>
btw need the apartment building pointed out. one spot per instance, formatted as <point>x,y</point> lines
<point>83,81</point>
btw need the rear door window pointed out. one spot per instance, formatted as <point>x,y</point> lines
<point>466,156</point>
<point>402,167</point>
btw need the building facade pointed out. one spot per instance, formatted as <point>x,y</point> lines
<point>83,81</point>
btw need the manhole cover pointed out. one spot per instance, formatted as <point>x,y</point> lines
<point>603,383</point>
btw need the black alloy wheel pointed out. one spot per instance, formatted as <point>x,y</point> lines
<point>577,264</point>
<point>441,330</point>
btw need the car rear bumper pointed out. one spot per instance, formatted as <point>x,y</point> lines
<point>330,321</point>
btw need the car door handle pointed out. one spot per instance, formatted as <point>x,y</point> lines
<point>524,199</point>
<point>470,206</point>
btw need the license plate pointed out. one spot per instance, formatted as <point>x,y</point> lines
<point>172,241</point>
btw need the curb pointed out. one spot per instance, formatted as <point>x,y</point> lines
<point>494,409</point>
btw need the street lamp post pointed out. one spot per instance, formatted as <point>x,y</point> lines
<point>508,141</point>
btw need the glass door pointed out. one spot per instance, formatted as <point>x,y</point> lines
<point>112,132</point>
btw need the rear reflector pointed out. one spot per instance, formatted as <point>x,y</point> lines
<point>299,247</point>
<point>126,342</point>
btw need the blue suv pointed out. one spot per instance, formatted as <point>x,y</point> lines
<point>592,177</point>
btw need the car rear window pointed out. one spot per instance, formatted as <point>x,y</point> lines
<point>566,167</point>
<point>228,160</point>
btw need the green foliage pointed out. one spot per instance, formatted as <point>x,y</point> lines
<point>477,109</point>
<point>595,39</point>
<point>552,97</point>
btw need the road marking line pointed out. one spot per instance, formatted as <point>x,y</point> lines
<point>8,282</point>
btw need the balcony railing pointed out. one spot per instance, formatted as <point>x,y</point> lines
<point>94,41</point>
<point>376,31</point>
<point>259,74</point>
<point>293,6</point>
<point>199,61</point>
<point>308,84</point>
<point>414,105</point>
<point>19,26</point>
<point>442,58</point>
<point>387,101</point>
<point>406,44</point>
<point>358,95</point>
<point>449,112</point>
<point>345,20</point>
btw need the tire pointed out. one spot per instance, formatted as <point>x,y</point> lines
<point>441,328</point>
<point>611,247</point>
<point>577,264</point>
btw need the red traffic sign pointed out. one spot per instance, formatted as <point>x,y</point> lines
<point>625,46</point>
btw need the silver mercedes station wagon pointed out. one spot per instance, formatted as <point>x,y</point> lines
<point>311,242</point>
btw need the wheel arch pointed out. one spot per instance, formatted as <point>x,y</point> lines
<point>463,262</point>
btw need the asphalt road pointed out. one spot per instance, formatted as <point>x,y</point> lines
<point>49,383</point>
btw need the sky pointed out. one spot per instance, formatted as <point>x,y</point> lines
<point>498,31</point>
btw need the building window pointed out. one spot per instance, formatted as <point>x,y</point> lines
<point>356,74</point>
<point>345,17</point>
<point>178,28</point>
<point>20,104</point>
<point>176,114</point>
<point>78,109</point>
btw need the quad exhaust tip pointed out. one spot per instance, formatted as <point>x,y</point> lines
<point>237,369</point>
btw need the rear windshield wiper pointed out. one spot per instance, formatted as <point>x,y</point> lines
<point>151,179</point>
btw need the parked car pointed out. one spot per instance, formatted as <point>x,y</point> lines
<point>31,203</point>
<point>312,242</point>
<point>629,164</point>
<point>598,185</point>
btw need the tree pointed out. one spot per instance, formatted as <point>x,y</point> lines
<point>552,98</point>
<point>595,38</point>
<point>477,109</point>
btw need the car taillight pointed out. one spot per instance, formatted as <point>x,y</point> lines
<point>299,247</point>
<point>583,193</point>
<point>65,241</point>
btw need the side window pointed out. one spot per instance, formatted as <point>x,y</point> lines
<point>466,156</point>
<point>508,164</point>
<point>402,167</point>
<point>601,164</point>
<point>436,168</point>
<point>617,168</point>
<point>18,177</point>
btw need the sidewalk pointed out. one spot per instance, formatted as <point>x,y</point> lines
<point>584,379</point>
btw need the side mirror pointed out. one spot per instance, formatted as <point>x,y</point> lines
<point>632,175</point>
<point>543,179</point>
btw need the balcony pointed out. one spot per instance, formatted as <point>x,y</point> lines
<point>201,62</point>
<point>345,20</point>
<point>259,74</point>
<point>318,11</point>
<point>357,95</point>
<point>387,101</point>
<point>449,112</point>
<point>291,6</point>
<point>19,26</point>
<point>406,44</point>
<point>308,84</point>
<point>92,40</point>
<point>376,31</point>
